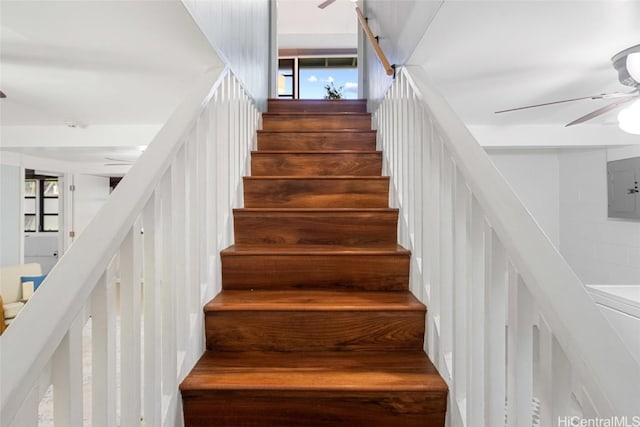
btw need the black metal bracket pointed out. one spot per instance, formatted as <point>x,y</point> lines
<point>377,39</point>
<point>394,70</point>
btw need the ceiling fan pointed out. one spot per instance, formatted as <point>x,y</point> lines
<point>627,64</point>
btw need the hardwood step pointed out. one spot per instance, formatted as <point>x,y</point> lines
<point>358,227</point>
<point>316,163</point>
<point>317,105</point>
<point>313,192</point>
<point>329,140</point>
<point>315,121</point>
<point>279,267</point>
<point>314,320</point>
<point>314,389</point>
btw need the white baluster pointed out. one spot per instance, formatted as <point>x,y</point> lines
<point>169,346</point>
<point>67,377</point>
<point>130,313</point>
<point>524,361</point>
<point>476,308</point>
<point>103,350</point>
<point>152,404</point>
<point>179,227</point>
<point>495,307</point>
<point>446,264</point>
<point>461,283</point>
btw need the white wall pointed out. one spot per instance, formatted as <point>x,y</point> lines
<point>239,31</point>
<point>400,25</point>
<point>566,192</point>
<point>600,250</point>
<point>91,192</point>
<point>10,200</point>
<point>534,176</point>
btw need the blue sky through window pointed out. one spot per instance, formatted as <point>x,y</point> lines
<point>313,81</point>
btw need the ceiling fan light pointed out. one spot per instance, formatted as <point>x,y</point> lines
<point>633,66</point>
<point>629,118</point>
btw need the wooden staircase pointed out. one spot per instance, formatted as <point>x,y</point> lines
<point>315,325</point>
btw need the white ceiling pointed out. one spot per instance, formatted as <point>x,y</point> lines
<point>302,25</point>
<point>97,62</point>
<point>493,55</point>
<point>120,63</point>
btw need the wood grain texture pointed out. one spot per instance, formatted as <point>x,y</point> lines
<point>314,389</point>
<point>315,325</point>
<point>316,121</point>
<point>362,140</point>
<point>314,409</point>
<point>357,227</point>
<point>271,267</point>
<point>314,320</point>
<point>317,106</point>
<point>316,192</point>
<point>315,163</point>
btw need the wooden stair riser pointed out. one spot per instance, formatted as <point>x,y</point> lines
<point>316,227</point>
<point>285,271</point>
<point>255,330</point>
<point>361,192</point>
<point>322,141</point>
<point>317,106</point>
<point>269,408</point>
<point>316,122</point>
<point>315,164</point>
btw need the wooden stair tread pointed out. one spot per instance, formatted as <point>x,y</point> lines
<point>315,152</point>
<point>317,210</point>
<point>317,177</point>
<point>314,371</point>
<point>314,300</point>
<point>303,132</point>
<point>323,114</point>
<point>337,250</point>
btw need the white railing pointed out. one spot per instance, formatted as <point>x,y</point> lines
<point>510,326</point>
<point>140,272</point>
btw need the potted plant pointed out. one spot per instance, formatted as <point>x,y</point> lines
<point>333,92</point>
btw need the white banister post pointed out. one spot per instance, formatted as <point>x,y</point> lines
<point>67,377</point>
<point>152,309</point>
<point>103,341</point>
<point>130,314</point>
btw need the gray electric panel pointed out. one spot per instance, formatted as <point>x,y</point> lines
<point>623,191</point>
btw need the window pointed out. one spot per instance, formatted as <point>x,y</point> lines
<point>30,203</point>
<point>307,77</point>
<point>41,203</point>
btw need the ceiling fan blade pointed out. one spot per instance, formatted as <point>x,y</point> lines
<point>601,96</point>
<point>326,3</point>
<point>2,95</point>
<point>600,111</point>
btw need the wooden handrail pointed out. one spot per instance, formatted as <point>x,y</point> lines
<point>389,69</point>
